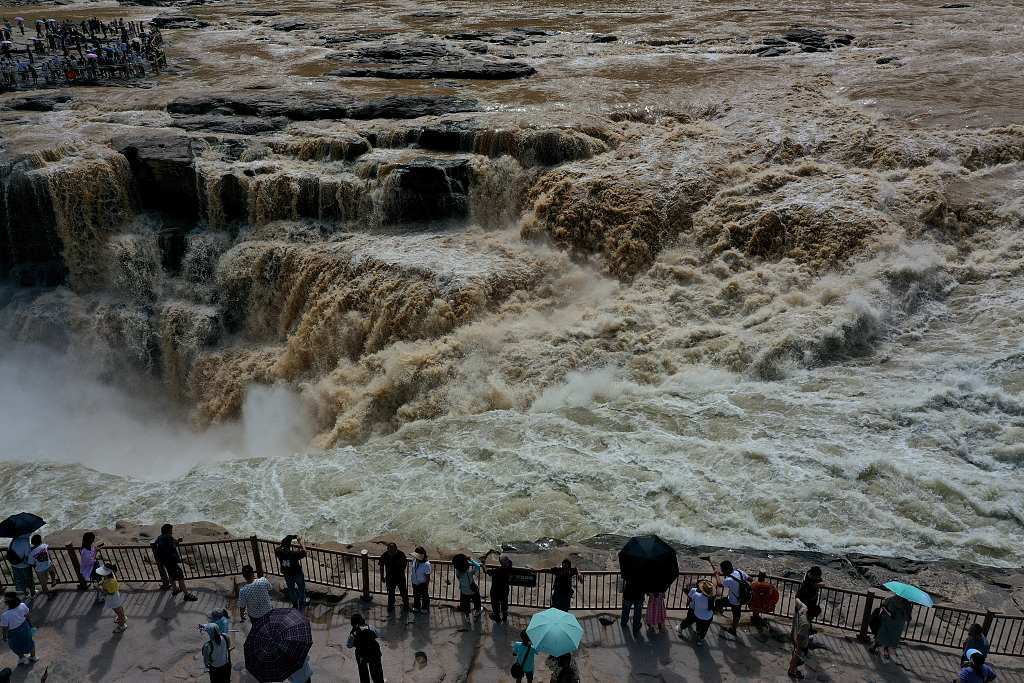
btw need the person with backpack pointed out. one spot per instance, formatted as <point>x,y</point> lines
<point>363,639</point>
<point>393,567</point>
<point>18,557</point>
<point>524,658</point>
<point>421,571</point>
<point>738,593</point>
<point>763,598</point>
<point>217,653</point>
<point>167,555</point>
<point>290,560</point>
<point>466,572</point>
<point>39,559</point>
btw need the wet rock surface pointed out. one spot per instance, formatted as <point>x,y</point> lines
<point>303,107</point>
<point>422,59</point>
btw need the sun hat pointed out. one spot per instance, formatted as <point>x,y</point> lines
<point>705,587</point>
<point>104,570</point>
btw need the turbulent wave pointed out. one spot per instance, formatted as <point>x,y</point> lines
<point>782,326</point>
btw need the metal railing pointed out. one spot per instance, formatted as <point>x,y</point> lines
<point>599,591</point>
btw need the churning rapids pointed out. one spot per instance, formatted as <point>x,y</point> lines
<point>738,275</point>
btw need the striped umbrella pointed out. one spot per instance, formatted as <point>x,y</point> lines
<point>277,645</point>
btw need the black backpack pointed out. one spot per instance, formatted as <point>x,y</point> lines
<point>366,644</point>
<point>12,556</point>
<point>745,591</point>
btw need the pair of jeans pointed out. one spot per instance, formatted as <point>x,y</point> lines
<point>466,598</point>
<point>370,671</point>
<point>638,610</point>
<point>400,585</point>
<point>721,604</point>
<point>421,596</point>
<point>24,580</point>
<point>296,589</point>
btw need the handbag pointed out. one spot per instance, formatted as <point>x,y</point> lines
<point>517,667</point>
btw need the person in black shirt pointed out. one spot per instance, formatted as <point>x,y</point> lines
<point>290,559</point>
<point>393,566</point>
<point>809,588</point>
<point>165,547</point>
<point>499,586</point>
<point>562,591</point>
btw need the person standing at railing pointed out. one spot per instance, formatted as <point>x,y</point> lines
<point>562,591</point>
<point>167,555</point>
<point>39,557</point>
<point>632,601</point>
<point>800,636</point>
<point>500,587</point>
<point>421,571</point>
<point>893,617</point>
<point>737,592</point>
<point>810,587</point>
<point>466,572</point>
<point>290,560</point>
<point>393,567</point>
<point>976,640</point>
<point>88,557</point>
<point>763,598</point>
<point>18,555</point>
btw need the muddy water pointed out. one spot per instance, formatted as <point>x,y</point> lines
<point>824,353</point>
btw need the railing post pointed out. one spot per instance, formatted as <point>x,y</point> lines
<point>990,616</point>
<point>73,554</point>
<point>364,557</point>
<point>257,561</point>
<point>865,617</point>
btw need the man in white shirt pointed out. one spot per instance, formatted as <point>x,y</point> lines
<point>731,579</point>
<point>254,596</point>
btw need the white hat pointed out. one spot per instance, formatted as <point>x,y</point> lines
<point>103,570</point>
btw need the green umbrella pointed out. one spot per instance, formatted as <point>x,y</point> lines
<point>555,632</point>
<point>911,593</point>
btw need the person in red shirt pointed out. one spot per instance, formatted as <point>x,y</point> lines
<point>763,598</point>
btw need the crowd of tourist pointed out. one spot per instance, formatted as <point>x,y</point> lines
<point>727,592</point>
<point>57,52</point>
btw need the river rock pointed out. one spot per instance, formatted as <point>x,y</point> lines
<point>38,102</point>
<point>168,21</point>
<point>288,26</point>
<point>468,68</point>
<point>162,163</point>
<point>309,107</point>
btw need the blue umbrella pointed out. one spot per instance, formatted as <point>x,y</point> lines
<point>20,524</point>
<point>911,593</point>
<point>555,632</point>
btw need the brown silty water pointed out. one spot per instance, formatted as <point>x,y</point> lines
<point>701,245</point>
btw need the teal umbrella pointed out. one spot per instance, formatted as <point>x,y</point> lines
<point>555,632</point>
<point>911,593</point>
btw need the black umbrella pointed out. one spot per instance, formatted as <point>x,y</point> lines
<point>649,562</point>
<point>277,645</point>
<point>20,524</point>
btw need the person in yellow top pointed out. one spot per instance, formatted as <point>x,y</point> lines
<point>112,594</point>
